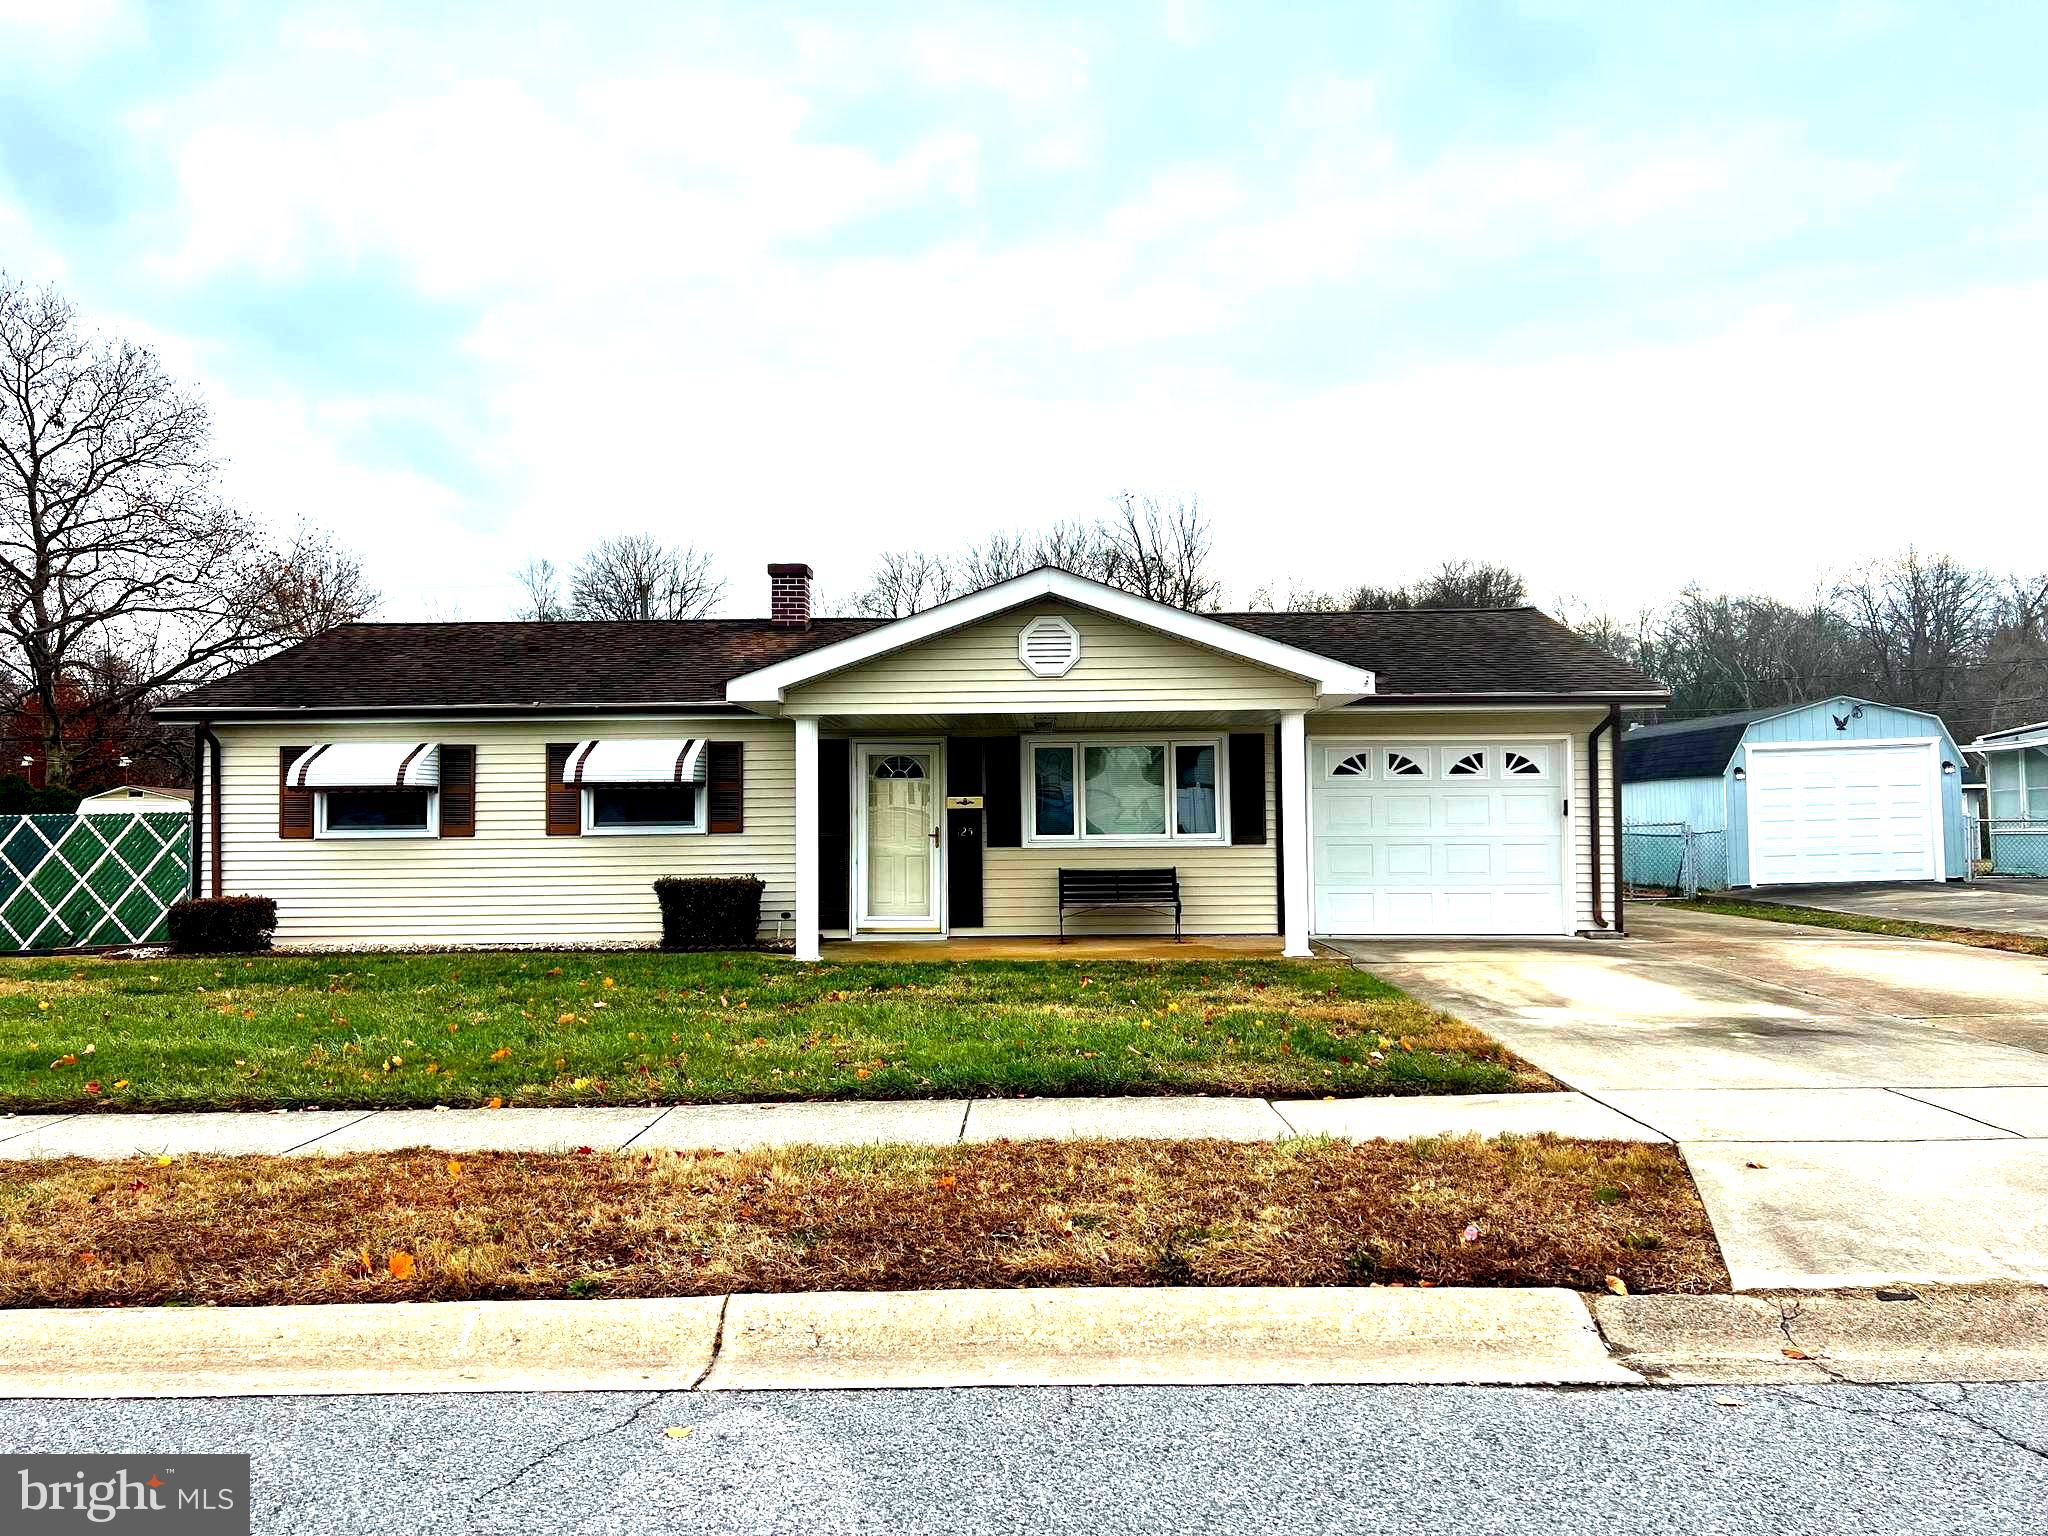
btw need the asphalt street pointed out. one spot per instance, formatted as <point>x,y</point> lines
<point>1725,1461</point>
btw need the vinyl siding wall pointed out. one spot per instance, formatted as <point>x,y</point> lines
<point>1372,723</point>
<point>511,883</point>
<point>975,670</point>
<point>1699,803</point>
<point>1223,888</point>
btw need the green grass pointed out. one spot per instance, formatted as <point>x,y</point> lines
<point>1860,922</point>
<point>536,1028</point>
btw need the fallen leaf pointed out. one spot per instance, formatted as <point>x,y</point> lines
<point>679,1431</point>
<point>566,1018</point>
<point>120,1082</point>
<point>1752,1165</point>
<point>1794,1354</point>
<point>494,1102</point>
<point>454,1168</point>
<point>1617,1285</point>
<point>163,1159</point>
<point>400,1265</point>
<point>501,1053</point>
<point>92,1087</point>
<point>1470,1234</point>
<point>1730,1402</point>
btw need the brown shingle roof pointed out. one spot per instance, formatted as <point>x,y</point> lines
<point>431,668</point>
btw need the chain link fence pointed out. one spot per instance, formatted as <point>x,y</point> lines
<point>73,881</point>
<point>1674,856</point>
<point>2019,847</point>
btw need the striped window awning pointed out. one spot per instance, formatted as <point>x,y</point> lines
<point>636,761</point>
<point>367,765</point>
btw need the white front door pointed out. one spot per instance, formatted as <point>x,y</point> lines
<point>899,878</point>
<point>1440,837</point>
<point>1867,811</point>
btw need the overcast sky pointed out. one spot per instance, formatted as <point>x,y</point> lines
<point>1622,299</point>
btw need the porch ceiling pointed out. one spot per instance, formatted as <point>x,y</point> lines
<point>1040,723</point>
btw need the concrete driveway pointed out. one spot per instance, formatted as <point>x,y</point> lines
<point>1855,1108</point>
<point>2001,905</point>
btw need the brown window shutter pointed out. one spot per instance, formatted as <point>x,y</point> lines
<point>1248,788</point>
<point>294,806</point>
<point>458,791</point>
<point>728,786</point>
<point>565,800</point>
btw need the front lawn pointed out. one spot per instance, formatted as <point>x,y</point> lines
<point>633,1028</point>
<point>1861,922</point>
<point>421,1226</point>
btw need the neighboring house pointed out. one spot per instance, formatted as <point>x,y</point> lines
<point>1306,773</point>
<point>2016,778</point>
<point>1843,789</point>
<point>133,800</point>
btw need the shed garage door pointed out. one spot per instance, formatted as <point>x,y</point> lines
<point>1463,837</point>
<point>1868,811</point>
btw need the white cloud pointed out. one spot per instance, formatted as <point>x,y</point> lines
<point>65,31</point>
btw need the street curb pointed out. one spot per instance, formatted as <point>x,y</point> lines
<point>1178,1337</point>
<point>1198,1336</point>
<point>1052,1337</point>
<point>1920,1334</point>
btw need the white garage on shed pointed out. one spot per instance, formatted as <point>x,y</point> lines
<point>1840,791</point>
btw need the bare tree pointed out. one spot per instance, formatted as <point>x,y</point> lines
<point>542,586</point>
<point>636,576</point>
<point>313,585</point>
<point>1160,552</point>
<point>114,542</point>
<point>1920,623</point>
<point>906,581</point>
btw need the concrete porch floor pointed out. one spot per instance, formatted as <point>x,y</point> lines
<point>1148,946</point>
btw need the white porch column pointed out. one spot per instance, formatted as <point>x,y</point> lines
<point>1293,781</point>
<point>806,837</point>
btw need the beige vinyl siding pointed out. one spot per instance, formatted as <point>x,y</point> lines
<point>1570,723</point>
<point>1122,666</point>
<point>1223,888</point>
<point>511,883</point>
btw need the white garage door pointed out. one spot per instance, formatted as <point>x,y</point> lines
<point>1440,837</point>
<point>1871,811</point>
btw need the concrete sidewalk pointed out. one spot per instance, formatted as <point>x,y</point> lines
<point>739,1127</point>
<point>1049,1337</point>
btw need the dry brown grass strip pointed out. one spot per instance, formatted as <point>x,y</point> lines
<point>248,1231</point>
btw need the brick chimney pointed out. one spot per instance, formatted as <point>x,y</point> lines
<point>789,596</point>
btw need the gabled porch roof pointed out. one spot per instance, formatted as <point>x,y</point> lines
<point>1334,682</point>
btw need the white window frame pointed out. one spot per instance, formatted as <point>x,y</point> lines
<point>1079,837</point>
<point>349,834</point>
<point>647,829</point>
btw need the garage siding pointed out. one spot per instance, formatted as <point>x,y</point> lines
<point>511,883</point>
<point>1571,723</point>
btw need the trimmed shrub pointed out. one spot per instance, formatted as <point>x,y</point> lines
<point>222,925</point>
<point>19,798</point>
<point>709,911</point>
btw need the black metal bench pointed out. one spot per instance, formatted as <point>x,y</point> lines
<point>1095,890</point>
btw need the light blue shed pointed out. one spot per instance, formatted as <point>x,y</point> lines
<point>1838,791</point>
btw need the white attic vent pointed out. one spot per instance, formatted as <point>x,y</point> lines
<point>1049,646</point>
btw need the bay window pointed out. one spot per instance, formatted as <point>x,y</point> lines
<point>1124,790</point>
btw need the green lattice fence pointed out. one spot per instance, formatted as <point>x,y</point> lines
<point>71,880</point>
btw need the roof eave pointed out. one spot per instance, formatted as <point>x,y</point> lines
<point>225,713</point>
